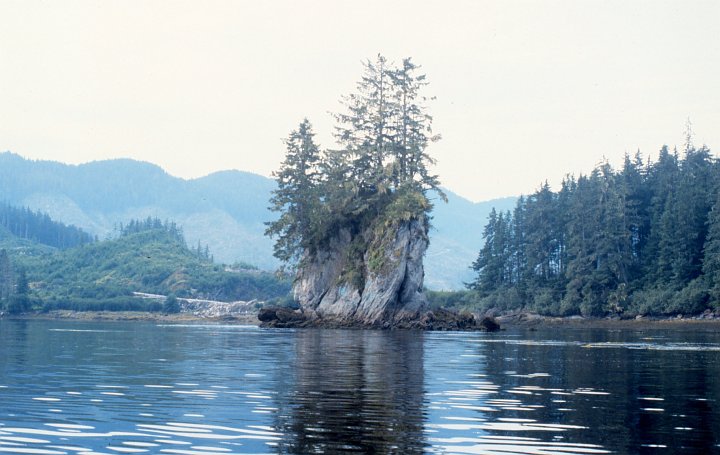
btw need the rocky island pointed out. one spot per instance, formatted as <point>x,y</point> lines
<point>389,296</point>
<point>354,221</point>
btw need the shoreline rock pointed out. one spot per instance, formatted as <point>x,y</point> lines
<point>370,278</point>
<point>524,320</point>
<point>435,320</point>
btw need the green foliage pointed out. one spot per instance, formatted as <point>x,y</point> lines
<point>170,228</point>
<point>652,301</point>
<point>642,240</point>
<point>18,300</point>
<point>453,299</point>
<point>377,178</point>
<point>103,275</point>
<point>121,303</point>
<point>18,303</point>
<point>99,191</point>
<point>7,277</point>
<point>38,227</point>
<point>171,305</point>
<point>406,204</point>
<point>353,273</point>
<point>14,287</point>
<point>298,196</point>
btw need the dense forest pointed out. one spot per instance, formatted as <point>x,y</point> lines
<point>38,227</point>
<point>644,239</point>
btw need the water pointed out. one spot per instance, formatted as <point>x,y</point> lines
<point>117,388</point>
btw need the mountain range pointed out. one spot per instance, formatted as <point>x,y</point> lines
<point>225,210</point>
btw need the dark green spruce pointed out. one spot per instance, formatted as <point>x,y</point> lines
<point>644,239</point>
<point>378,174</point>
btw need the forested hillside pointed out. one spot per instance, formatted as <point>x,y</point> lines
<point>38,227</point>
<point>148,256</point>
<point>644,239</point>
<point>226,210</point>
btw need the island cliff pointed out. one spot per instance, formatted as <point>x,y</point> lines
<point>390,291</point>
<point>389,295</point>
<point>354,220</point>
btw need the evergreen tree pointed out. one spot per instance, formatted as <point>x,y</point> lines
<point>171,304</point>
<point>542,245</point>
<point>711,259</point>
<point>380,168</point>
<point>364,130</point>
<point>519,244</point>
<point>22,287</point>
<point>297,196</point>
<point>7,277</point>
<point>412,129</point>
<point>39,227</point>
<point>494,265</point>
<point>637,203</point>
<point>662,182</point>
<point>19,301</point>
<point>385,131</point>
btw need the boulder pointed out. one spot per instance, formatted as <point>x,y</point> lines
<point>281,317</point>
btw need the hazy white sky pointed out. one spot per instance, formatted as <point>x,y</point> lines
<point>526,90</point>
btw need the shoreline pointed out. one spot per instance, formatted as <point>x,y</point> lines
<point>532,320</point>
<point>521,320</point>
<point>135,316</point>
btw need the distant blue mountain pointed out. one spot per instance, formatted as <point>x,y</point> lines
<point>456,238</point>
<point>225,210</point>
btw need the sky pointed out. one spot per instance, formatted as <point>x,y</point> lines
<point>526,91</point>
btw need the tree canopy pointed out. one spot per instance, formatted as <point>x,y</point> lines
<point>644,239</point>
<point>380,162</point>
<point>38,227</point>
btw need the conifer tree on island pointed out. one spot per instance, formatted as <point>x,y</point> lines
<point>354,220</point>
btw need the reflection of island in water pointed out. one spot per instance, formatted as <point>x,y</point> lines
<point>354,391</point>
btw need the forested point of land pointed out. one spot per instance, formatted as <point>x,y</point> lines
<point>641,240</point>
<point>150,255</point>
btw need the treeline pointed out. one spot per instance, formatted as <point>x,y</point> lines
<point>152,224</point>
<point>644,239</point>
<point>170,228</point>
<point>123,303</point>
<point>39,227</point>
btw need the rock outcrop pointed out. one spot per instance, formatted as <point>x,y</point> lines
<point>382,289</point>
<point>371,279</point>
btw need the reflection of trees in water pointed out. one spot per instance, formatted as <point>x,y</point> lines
<point>354,391</point>
<point>620,420</point>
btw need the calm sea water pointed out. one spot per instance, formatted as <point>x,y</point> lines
<point>113,388</point>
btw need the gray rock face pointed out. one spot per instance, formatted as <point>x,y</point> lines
<point>390,294</point>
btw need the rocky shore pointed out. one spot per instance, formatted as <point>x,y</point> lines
<point>436,320</point>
